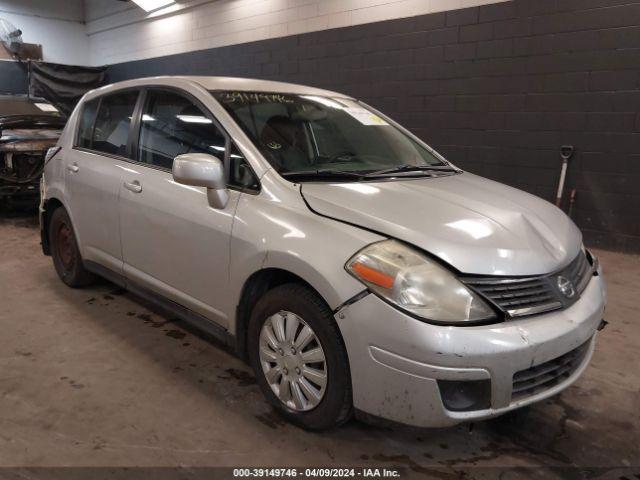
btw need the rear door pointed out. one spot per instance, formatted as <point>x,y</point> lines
<point>173,242</point>
<point>94,171</point>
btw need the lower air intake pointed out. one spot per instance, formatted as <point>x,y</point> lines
<point>546,375</point>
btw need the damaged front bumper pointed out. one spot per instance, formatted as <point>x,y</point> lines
<point>420,374</point>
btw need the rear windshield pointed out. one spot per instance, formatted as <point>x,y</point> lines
<point>299,133</point>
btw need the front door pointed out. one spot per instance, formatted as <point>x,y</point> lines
<point>173,242</point>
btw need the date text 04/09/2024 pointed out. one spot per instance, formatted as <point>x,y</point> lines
<point>317,473</point>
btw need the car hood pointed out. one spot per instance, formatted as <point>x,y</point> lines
<point>476,225</point>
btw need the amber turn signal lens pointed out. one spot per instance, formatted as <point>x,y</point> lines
<point>373,276</point>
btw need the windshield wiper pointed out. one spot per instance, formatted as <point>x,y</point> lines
<point>322,174</point>
<point>411,168</point>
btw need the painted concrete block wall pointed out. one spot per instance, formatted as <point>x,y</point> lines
<point>120,32</point>
<point>60,29</point>
<point>498,89</point>
<point>13,78</point>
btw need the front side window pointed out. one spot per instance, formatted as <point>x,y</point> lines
<point>111,130</point>
<point>301,134</point>
<point>172,125</point>
<point>240,173</point>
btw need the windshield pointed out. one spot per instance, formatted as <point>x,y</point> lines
<point>300,134</point>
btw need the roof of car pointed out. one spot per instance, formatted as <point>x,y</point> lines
<point>229,83</point>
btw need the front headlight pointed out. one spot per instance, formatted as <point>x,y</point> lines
<point>413,282</point>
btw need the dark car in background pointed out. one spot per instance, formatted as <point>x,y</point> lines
<point>28,128</point>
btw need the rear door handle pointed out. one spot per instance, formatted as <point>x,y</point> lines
<point>73,167</point>
<point>134,186</point>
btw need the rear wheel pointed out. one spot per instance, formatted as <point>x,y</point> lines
<point>299,358</point>
<point>64,251</point>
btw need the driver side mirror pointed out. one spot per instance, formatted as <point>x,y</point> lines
<point>203,170</point>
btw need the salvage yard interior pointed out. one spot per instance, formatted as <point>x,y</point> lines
<point>399,236</point>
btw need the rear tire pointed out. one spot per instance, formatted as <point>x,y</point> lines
<point>324,404</point>
<point>65,252</point>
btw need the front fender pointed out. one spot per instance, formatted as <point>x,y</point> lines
<point>331,282</point>
<point>283,233</point>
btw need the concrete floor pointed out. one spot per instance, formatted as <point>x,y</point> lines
<point>94,378</point>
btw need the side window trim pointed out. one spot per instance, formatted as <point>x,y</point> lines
<point>134,129</point>
<point>93,125</point>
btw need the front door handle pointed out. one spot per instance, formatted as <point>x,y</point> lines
<point>73,167</point>
<point>134,186</point>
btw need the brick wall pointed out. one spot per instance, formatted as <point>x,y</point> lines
<point>496,88</point>
<point>122,32</point>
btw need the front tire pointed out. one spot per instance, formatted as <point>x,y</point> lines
<point>65,252</point>
<point>299,358</point>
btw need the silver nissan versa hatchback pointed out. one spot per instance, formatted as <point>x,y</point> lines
<point>355,268</point>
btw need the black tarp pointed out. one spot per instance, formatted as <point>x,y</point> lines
<point>63,85</point>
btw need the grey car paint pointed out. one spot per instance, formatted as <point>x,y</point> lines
<point>177,245</point>
<point>476,225</point>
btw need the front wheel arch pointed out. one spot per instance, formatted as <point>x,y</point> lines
<point>254,288</point>
<point>49,206</point>
<point>336,404</point>
<point>65,252</point>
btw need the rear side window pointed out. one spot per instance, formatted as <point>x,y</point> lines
<point>111,131</point>
<point>87,118</point>
<point>172,125</point>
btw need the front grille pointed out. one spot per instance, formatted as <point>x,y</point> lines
<point>578,271</point>
<point>544,376</point>
<point>518,296</point>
